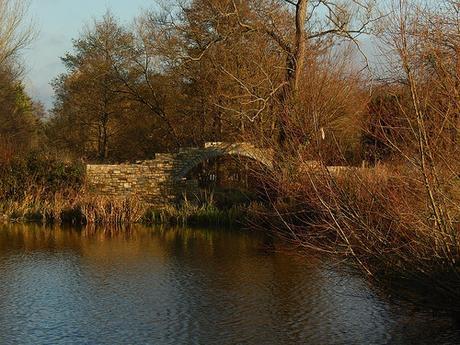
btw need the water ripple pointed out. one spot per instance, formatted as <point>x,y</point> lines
<point>189,287</point>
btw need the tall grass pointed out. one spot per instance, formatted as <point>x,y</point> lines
<point>111,210</point>
<point>80,207</point>
<point>38,205</point>
<point>191,214</point>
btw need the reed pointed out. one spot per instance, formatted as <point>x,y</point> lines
<point>80,207</point>
<point>111,210</point>
<point>189,213</point>
<point>38,205</point>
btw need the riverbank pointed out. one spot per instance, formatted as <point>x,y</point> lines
<point>401,264</point>
<point>82,209</point>
<point>46,189</point>
<point>379,219</point>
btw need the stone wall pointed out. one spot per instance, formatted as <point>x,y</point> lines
<point>149,180</point>
<point>162,180</point>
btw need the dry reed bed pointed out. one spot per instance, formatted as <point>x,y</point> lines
<point>380,217</point>
<point>81,207</point>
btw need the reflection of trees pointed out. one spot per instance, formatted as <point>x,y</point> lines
<point>215,282</point>
<point>129,241</point>
<point>34,237</point>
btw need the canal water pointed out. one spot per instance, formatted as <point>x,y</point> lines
<point>189,286</point>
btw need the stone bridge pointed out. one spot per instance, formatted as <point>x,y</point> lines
<point>163,179</point>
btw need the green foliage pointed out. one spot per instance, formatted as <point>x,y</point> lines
<point>204,215</point>
<point>20,117</point>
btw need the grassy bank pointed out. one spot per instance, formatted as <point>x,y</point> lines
<point>381,218</point>
<point>203,215</point>
<point>78,207</point>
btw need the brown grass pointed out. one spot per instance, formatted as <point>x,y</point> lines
<point>111,210</point>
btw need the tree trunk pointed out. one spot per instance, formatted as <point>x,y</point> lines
<point>294,67</point>
<point>103,138</point>
<point>298,55</point>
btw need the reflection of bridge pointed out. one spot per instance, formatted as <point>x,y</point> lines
<point>163,179</point>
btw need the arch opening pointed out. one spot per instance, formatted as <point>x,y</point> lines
<point>223,178</point>
<point>190,160</point>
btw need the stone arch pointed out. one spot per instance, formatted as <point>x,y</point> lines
<point>189,159</point>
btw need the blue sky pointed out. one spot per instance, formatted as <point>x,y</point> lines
<point>57,23</point>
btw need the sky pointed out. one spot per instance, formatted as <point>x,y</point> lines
<point>57,22</point>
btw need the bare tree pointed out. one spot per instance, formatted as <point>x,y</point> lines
<point>317,24</point>
<point>15,32</point>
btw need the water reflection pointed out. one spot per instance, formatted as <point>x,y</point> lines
<point>184,286</point>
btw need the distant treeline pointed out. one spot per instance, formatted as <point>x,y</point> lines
<point>202,71</point>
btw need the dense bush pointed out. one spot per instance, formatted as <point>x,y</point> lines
<point>39,172</point>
